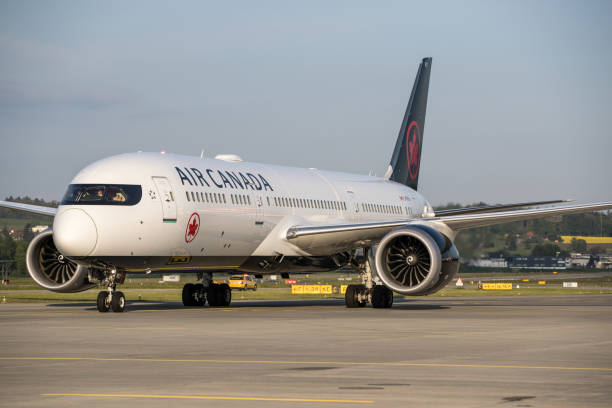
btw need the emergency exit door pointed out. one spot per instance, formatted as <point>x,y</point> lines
<point>164,190</point>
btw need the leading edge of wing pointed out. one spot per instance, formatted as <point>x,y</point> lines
<point>29,208</point>
<point>495,207</point>
<point>459,222</point>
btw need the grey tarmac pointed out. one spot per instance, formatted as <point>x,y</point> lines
<point>547,351</point>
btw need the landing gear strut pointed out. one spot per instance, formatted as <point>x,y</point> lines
<point>198,294</point>
<point>380,296</point>
<point>111,299</point>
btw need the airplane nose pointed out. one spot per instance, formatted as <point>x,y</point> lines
<point>74,232</point>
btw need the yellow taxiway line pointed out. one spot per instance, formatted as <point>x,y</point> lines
<point>283,362</point>
<point>209,397</point>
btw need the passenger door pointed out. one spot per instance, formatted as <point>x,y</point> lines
<point>352,206</point>
<point>164,189</point>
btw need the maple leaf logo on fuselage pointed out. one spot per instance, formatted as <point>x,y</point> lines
<point>193,226</point>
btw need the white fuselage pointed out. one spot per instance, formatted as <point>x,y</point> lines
<point>240,209</point>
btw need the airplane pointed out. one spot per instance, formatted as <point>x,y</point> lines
<point>139,213</point>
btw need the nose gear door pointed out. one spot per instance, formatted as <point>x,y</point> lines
<point>164,189</point>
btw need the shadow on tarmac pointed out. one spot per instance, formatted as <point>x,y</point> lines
<point>331,303</point>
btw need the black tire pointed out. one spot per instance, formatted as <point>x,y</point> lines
<point>213,295</point>
<point>351,296</point>
<point>382,297</point>
<point>118,302</point>
<point>199,296</point>
<point>254,288</point>
<point>187,295</point>
<point>225,294</point>
<point>102,303</point>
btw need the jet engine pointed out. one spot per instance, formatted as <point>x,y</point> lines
<point>416,260</point>
<point>52,270</point>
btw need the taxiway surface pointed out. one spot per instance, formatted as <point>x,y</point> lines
<point>473,352</point>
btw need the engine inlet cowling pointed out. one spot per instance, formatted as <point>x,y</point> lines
<point>409,260</point>
<point>52,270</point>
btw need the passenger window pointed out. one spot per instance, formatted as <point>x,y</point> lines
<point>187,194</point>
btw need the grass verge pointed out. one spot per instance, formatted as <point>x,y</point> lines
<point>174,295</point>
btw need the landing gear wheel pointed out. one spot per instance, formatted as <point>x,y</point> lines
<point>118,302</point>
<point>219,295</point>
<point>382,297</point>
<point>102,302</point>
<point>352,296</point>
<point>225,294</point>
<point>213,295</point>
<point>199,296</point>
<point>187,295</point>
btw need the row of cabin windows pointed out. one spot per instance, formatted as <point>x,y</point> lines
<point>307,203</point>
<point>382,208</point>
<point>242,199</point>
<point>200,197</point>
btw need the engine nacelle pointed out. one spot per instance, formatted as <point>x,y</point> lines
<point>52,270</point>
<point>416,260</point>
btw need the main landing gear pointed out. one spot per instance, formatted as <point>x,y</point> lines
<point>197,294</point>
<point>111,299</point>
<point>379,296</point>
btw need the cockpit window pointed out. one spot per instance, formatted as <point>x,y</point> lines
<point>102,194</point>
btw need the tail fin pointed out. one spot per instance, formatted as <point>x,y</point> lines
<point>406,159</point>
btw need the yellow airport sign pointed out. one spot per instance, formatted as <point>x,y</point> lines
<point>541,282</point>
<point>311,289</point>
<point>496,286</point>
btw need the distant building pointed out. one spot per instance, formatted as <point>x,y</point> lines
<point>577,260</point>
<point>605,262</point>
<point>488,263</point>
<point>536,262</point>
<point>39,228</point>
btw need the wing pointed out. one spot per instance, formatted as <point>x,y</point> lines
<point>319,239</point>
<point>496,207</point>
<point>28,208</point>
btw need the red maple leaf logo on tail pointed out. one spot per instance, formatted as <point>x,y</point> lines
<point>413,149</point>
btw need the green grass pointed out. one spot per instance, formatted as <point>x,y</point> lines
<point>174,295</point>
<point>19,223</point>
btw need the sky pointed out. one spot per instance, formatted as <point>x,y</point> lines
<point>520,100</point>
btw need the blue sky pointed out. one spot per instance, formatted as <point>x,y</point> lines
<point>520,103</point>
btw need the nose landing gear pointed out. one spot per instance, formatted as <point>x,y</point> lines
<point>111,299</point>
